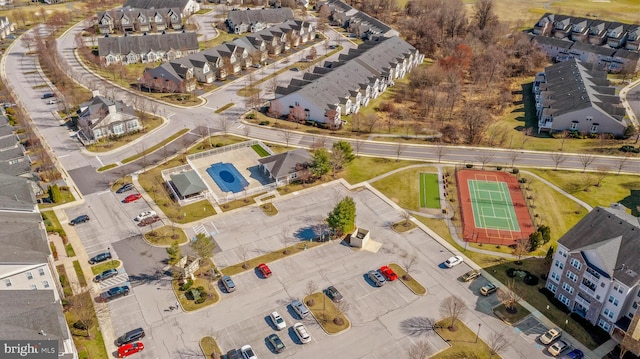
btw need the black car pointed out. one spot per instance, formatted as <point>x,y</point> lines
<point>80,219</point>
<point>125,188</point>
<point>100,258</point>
<point>334,294</point>
<point>48,95</point>
<point>276,343</point>
<point>115,292</point>
<point>234,354</point>
<point>130,336</point>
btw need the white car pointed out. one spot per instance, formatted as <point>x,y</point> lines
<point>301,333</point>
<point>557,348</point>
<point>453,261</point>
<point>247,352</point>
<point>144,215</point>
<point>550,335</point>
<point>278,321</point>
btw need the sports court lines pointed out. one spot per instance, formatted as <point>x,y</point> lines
<point>492,205</point>
<point>429,191</point>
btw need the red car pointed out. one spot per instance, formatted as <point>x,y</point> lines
<point>388,273</point>
<point>266,272</point>
<point>131,348</point>
<point>132,197</point>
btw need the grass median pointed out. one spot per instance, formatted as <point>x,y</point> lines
<point>328,314</point>
<point>408,280</point>
<point>164,236</point>
<point>252,263</point>
<point>156,146</point>
<point>463,342</point>
<point>111,264</point>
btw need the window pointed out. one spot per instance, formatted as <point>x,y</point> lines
<point>555,276</point>
<point>41,271</point>
<point>576,263</point>
<point>594,128</point>
<point>560,265</point>
<point>574,126</point>
<point>33,287</point>
<point>7,282</point>
<point>611,298</point>
<point>572,276</point>
<point>552,287</point>
<point>635,305</point>
<point>602,284</point>
<point>616,302</point>
<point>620,290</point>
<point>29,275</point>
<point>564,300</point>
<point>45,284</point>
<point>630,315</point>
<point>604,325</point>
<point>567,287</point>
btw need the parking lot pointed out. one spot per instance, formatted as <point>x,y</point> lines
<point>376,314</point>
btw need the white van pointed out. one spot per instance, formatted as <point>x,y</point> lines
<point>52,101</point>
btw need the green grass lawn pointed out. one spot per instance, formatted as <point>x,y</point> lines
<point>260,151</point>
<point>66,196</point>
<point>511,318</point>
<point>166,235</point>
<point>252,263</point>
<point>52,223</point>
<point>81,279</point>
<point>64,281</point>
<point>91,346</point>
<point>429,191</point>
<point>210,347</point>
<point>410,282</point>
<point>99,268</point>
<point>365,168</point>
<point>463,342</point>
<point>156,146</point>
<point>69,250</point>
<point>403,187</point>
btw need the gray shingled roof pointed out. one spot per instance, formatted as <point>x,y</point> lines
<point>22,238</point>
<point>5,130</point>
<point>570,86</point>
<point>188,183</point>
<point>608,239</point>
<point>560,43</point>
<point>164,71</point>
<point>26,314</point>
<point>8,142</point>
<point>140,44</point>
<point>96,109</point>
<point>283,164</point>
<point>15,194</point>
<point>156,4</point>
<point>266,16</point>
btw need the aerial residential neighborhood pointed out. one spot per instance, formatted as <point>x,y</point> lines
<point>331,178</point>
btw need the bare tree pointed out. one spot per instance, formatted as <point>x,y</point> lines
<point>509,296</point>
<point>417,326</point>
<point>400,148</point>
<point>586,160</point>
<point>419,350</point>
<point>522,247</point>
<point>453,308</point>
<point>85,311</point>
<point>244,253</point>
<point>621,162</point>
<point>408,263</point>
<point>246,130</point>
<point>497,343</point>
<point>558,158</point>
<point>357,145</point>
<point>341,308</point>
<point>601,172</point>
<point>485,158</point>
<point>563,137</point>
<point>514,155</point>
<point>371,121</point>
<point>286,135</point>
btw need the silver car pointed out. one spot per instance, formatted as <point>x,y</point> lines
<point>302,333</point>
<point>376,277</point>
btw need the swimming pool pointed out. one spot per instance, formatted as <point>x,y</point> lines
<point>227,177</point>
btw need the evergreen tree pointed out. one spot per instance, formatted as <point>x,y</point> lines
<point>343,217</point>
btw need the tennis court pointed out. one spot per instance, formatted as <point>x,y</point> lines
<point>429,192</point>
<point>493,207</point>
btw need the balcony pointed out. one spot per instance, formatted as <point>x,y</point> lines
<point>587,290</point>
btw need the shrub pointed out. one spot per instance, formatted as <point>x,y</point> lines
<point>522,180</point>
<point>499,168</point>
<point>219,144</point>
<point>82,326</point>
<point>54,251</point>
<point>193,294</point>
<point>250,116</point>
<point>515,171</point>
<point>531,279</point>
<point>54,194</point>
<point>511,272</point>
<point>186,285</point>
<point>201,299</point>
<point>264,123</point>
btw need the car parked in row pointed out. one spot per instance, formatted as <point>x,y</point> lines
<point>574,354</point>
<point>234,354</point>
<point>247,352</point>
<point>115,292</point>
<point>80,219</point>
<point>558,347</point>
<point>334,294</point>
<point>105,275</point>
<point>453,261</point>
<point>264,269</point>
<point>277,344</point>
<point>470,275</point>
<point>132,198</point>
<point>301,333</point>
<point>228,284</point>
<point>100,258</point>
<point>144,215</point>
<point>129,349</point>
<point>488,289</point>
<point>300,309</point>
<point>130,336</point>
<point>125,188</point>
<point>48,95</point>
<point>388,273</point>
<point>278,321</point>
<point>376,277</point>
<point>550,336</point>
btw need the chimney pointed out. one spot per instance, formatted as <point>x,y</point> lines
<point>112,109</point>
<point>95,93</point>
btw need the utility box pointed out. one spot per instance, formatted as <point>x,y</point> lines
<point>359,238</point>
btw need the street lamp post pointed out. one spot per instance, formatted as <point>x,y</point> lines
<point>478,333</point>
<point>566,322</point>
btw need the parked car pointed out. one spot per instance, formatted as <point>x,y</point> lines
<point>294,69</point>
<point>247,352</point>
<point>234,354</point>
<point>145,214</point>
<point>131,348</point>
<point>52,101</point>
<point>125,188</point>
<point>558,347</point>
<point>334,294</point>
<point>453,261</point>
<point>488,289</point>
<point>132,198</point>
<point>278,321</point>
<point>130,336</point>
<point>376,277</point>
<point>115,292</point>
<point>105,275</point>
<point>550,336</point>
<point>264,269</point>
<point>276,343</point>
<point>80,219</point>
<point>149,220</point>
<point>470,275</point>
<point>301,333</point>
<point>46,200</point>
<point>574,354</point>
<point>100,258</point>
<point>300,308</point>
<point>388,273</point>
<point>48,95</point>
<point>228,284</point>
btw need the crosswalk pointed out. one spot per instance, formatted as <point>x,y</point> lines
<point>199,229</point>
<point>120,279</point>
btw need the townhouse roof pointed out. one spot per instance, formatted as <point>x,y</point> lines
<point>23,238</point>
<point>156,4</point>
<point>11,154</point>
<point>150,14</point>
<point>283,164</point>
<point>6,131</point>
<point>32,315</point>
<point>97,111</point>
<point>188,183</point>
<point>626,54</point>
<point>266,16</point>
<point>15,194</point>
<point>8,142</point>
<point>552,41</point>
<point>600,50</point>
<point>570,87</point>
<point>15,168</point>
<point>140,44</point>
<point>4,121</point>
<point>609,241</point>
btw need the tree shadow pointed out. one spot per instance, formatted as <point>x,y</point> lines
<point>417,326</point>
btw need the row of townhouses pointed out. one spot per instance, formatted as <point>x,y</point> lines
<point>146,48</point>
<point>596,273</point>
<point>571,97</point>
<point>30,292</point>
<point>254,20</point>
<point>357,22</point>
<point>342,87</point>
<point>609,46</point>
<point>127,19</point>
<point>227,59</point>
<point>186,7</point>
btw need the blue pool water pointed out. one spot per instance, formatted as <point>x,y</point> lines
<point>227,177</point>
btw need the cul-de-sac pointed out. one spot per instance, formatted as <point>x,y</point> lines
<point>383,179</point>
